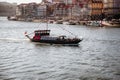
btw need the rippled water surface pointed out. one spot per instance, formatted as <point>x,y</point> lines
<point>96,58</point>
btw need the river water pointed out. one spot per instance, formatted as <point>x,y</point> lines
<point>96,58</point>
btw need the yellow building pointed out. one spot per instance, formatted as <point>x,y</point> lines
<point>95,8</point>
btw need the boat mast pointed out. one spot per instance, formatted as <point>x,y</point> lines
<point>46,16</point>
<point>45,11</point>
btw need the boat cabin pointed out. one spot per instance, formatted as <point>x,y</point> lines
<point>42,32</point>
<point>62,37</point>
<point>39,33</point>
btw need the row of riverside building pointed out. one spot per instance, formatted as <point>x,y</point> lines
<point>76,9</point>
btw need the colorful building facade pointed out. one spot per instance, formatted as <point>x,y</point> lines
<point>112,8</point>
<point>95,9</point>
<point>116,9</point>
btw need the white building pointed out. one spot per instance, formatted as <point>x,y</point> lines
<point>41,10</point>
<point>18,11</point>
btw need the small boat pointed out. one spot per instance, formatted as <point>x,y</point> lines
<point>66,23</point>
<point>13,18</point>
<point>111,24</point>
<point>94,23</point>
<point>43,36</point>
<point>58,22</point>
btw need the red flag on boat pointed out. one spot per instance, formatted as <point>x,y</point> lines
<point>25,32</point>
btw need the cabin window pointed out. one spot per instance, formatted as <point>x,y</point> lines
<point>37,34</point>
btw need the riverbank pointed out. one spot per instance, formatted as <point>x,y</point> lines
<point>95,23</point>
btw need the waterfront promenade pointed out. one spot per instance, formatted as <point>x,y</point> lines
<point>95,23</point>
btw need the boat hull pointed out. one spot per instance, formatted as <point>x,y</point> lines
<point>63,42</point>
